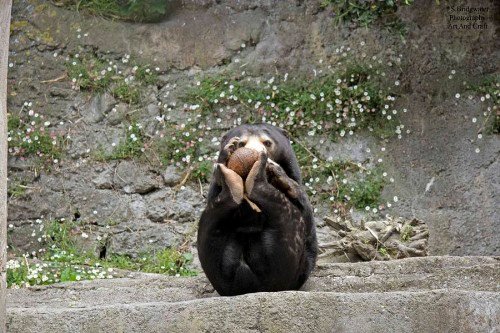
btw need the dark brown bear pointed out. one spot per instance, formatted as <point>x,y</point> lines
<point>244,249</point>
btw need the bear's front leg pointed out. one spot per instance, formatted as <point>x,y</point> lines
<point>219,249</point>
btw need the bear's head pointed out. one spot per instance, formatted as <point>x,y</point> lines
<point>272,139</point>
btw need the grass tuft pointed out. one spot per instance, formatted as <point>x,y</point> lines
<point>63,260</point>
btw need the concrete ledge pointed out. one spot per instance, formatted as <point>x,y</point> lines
<point>294,311</point>
<point>431,294</point>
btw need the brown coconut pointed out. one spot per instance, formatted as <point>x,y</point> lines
<point>242,160</point>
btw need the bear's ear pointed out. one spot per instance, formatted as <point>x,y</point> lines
<point>285,133</point>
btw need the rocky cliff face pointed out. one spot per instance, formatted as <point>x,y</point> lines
<point>443,172</point>
<point>106,101</point>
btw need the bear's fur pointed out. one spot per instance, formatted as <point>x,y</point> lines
<point>272,246</point>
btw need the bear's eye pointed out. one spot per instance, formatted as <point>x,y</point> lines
<point>241,144</point>
<point>268,143</point>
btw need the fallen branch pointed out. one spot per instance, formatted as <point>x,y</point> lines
<point>57,79</point>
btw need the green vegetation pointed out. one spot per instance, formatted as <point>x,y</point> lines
<point>488,90</point>
<point>407,232</point>
<point>62,260</point>
<point>145,75</point>
<point>31,136</point>
<point>383,251</point>
<point>365,13</point>
<point>16,189</point>
<point>328,106</point>
<point>364,191</point>
<point>203,171</point>
<point>130,10</point>
<point>333,106</point>
<point>337,103</point>
<point>347,183</point>
<point>130,147</point>
<point>127,93</point>
<point>96,74</point>
<point>90,73</point>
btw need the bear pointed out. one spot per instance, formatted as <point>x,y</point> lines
<point>257,234</point>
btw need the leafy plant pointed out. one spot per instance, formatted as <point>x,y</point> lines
<point>90,73</point>
<point>407,232</point>
<point>31,136</point>
<point>145,75</point>
<point>127,92</point>
<point>364,13</point>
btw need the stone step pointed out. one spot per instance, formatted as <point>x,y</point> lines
<point>431,294</point>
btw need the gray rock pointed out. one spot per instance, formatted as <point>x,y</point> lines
<point>356,149</point>
<point>153,110</point>
<point>49,204</point>
<point>137,207</point>
<point>101,207</point>
<point>117,114</point>
<point>142,236</point>
<point>181,206</point>
<point>19,164</point>
<point>104,179</point>
<point>134,178</point>
<point>98,107</point>
<point>96,139</point>
<point>60,92</point>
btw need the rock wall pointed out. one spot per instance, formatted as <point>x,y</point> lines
<point>131,207</point>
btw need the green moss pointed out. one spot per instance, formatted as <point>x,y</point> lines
<point>18,25</point>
